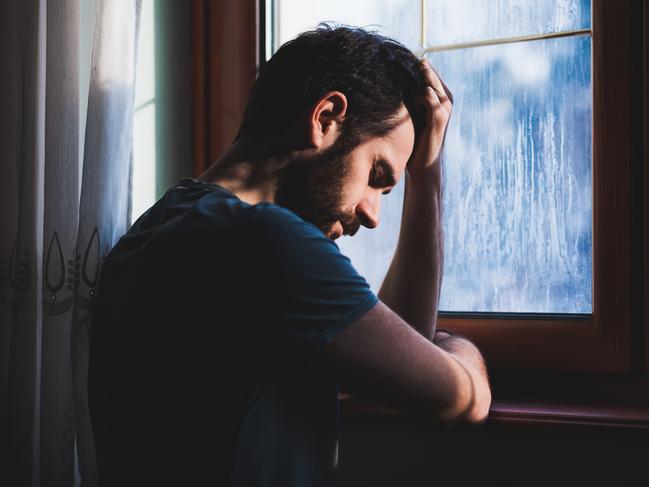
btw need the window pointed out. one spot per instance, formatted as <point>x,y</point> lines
<point>229,41</point>
<point>518,186</point>
<point>528,223</point>
<point>518,148</point>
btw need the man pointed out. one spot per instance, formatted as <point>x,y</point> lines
<point>226,317</point>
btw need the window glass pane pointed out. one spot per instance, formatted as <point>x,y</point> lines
<point>399,19</point>
<point>518,191</point>
<point>517,182</point>
<point>456,21</point>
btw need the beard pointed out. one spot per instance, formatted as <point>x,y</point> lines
<point>312,187</point>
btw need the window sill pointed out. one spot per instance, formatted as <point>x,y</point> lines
<point>526,414</point>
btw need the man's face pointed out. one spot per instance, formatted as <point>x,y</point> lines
<point>339,190</point>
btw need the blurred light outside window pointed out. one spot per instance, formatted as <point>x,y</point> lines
<point>518,153</point>
<point>144,121</point>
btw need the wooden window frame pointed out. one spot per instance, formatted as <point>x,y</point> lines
<point>601,342</point>
<point>226,42</point>
<point>645,216</point>
<point>601,356</point>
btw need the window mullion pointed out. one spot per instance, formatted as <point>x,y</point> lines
<point>504,40</point>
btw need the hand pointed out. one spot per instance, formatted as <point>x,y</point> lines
<point>441,337</point>
<point>438,105</point>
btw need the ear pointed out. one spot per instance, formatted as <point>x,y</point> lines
<point>326,118</point>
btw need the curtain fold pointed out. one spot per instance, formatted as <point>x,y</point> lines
<point>105,196</point>
<point>60,214</point>
<point>54,232</point>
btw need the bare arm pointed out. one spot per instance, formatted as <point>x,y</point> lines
<point>397,357</point>
<point>382,357</point>
<point>413,282</point>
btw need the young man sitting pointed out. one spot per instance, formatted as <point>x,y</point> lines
<point>227,318</point>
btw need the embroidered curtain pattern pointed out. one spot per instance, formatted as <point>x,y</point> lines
<point>60,215</point>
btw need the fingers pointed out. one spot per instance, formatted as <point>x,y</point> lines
<point>433,80</point>
<point>448,92</point>
<point>434,97</point>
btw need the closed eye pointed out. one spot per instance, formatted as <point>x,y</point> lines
<point>382,175</point>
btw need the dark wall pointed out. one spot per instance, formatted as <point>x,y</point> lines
<point>378,453</point>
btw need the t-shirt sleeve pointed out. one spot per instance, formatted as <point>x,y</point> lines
<point>302,290</point>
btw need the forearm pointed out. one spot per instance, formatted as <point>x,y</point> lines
<point>413,282</point>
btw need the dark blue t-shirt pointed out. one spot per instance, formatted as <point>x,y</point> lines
<point>208,315</point>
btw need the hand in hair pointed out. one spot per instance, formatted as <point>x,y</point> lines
<point>437,102</point>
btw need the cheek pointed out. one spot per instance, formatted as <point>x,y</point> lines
<point>351,193</point>
<point>355,183</point>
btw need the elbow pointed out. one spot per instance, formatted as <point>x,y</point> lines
<point>478,411</point>
<point>470,403</point>
<point>478,402</point>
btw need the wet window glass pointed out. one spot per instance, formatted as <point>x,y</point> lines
<point>518,153</point>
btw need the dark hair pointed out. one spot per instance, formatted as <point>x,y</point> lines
<point>377,74</point>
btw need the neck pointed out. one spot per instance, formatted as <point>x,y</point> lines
<point>250,171</point>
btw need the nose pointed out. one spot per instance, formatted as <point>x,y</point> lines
<point>367,211</point>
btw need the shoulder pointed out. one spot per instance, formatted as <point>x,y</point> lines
<point>270,223</point>
<point>273,236</point>
<point>269,215</point>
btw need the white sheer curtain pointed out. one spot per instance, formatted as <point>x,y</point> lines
<point>57,226</point>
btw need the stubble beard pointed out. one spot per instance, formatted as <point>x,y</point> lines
<point>313,188</point>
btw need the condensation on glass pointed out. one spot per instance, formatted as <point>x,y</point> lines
<point>460,21</point>
<point>518,153</point>
<point>399,19</point>
<point>518,189</point>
